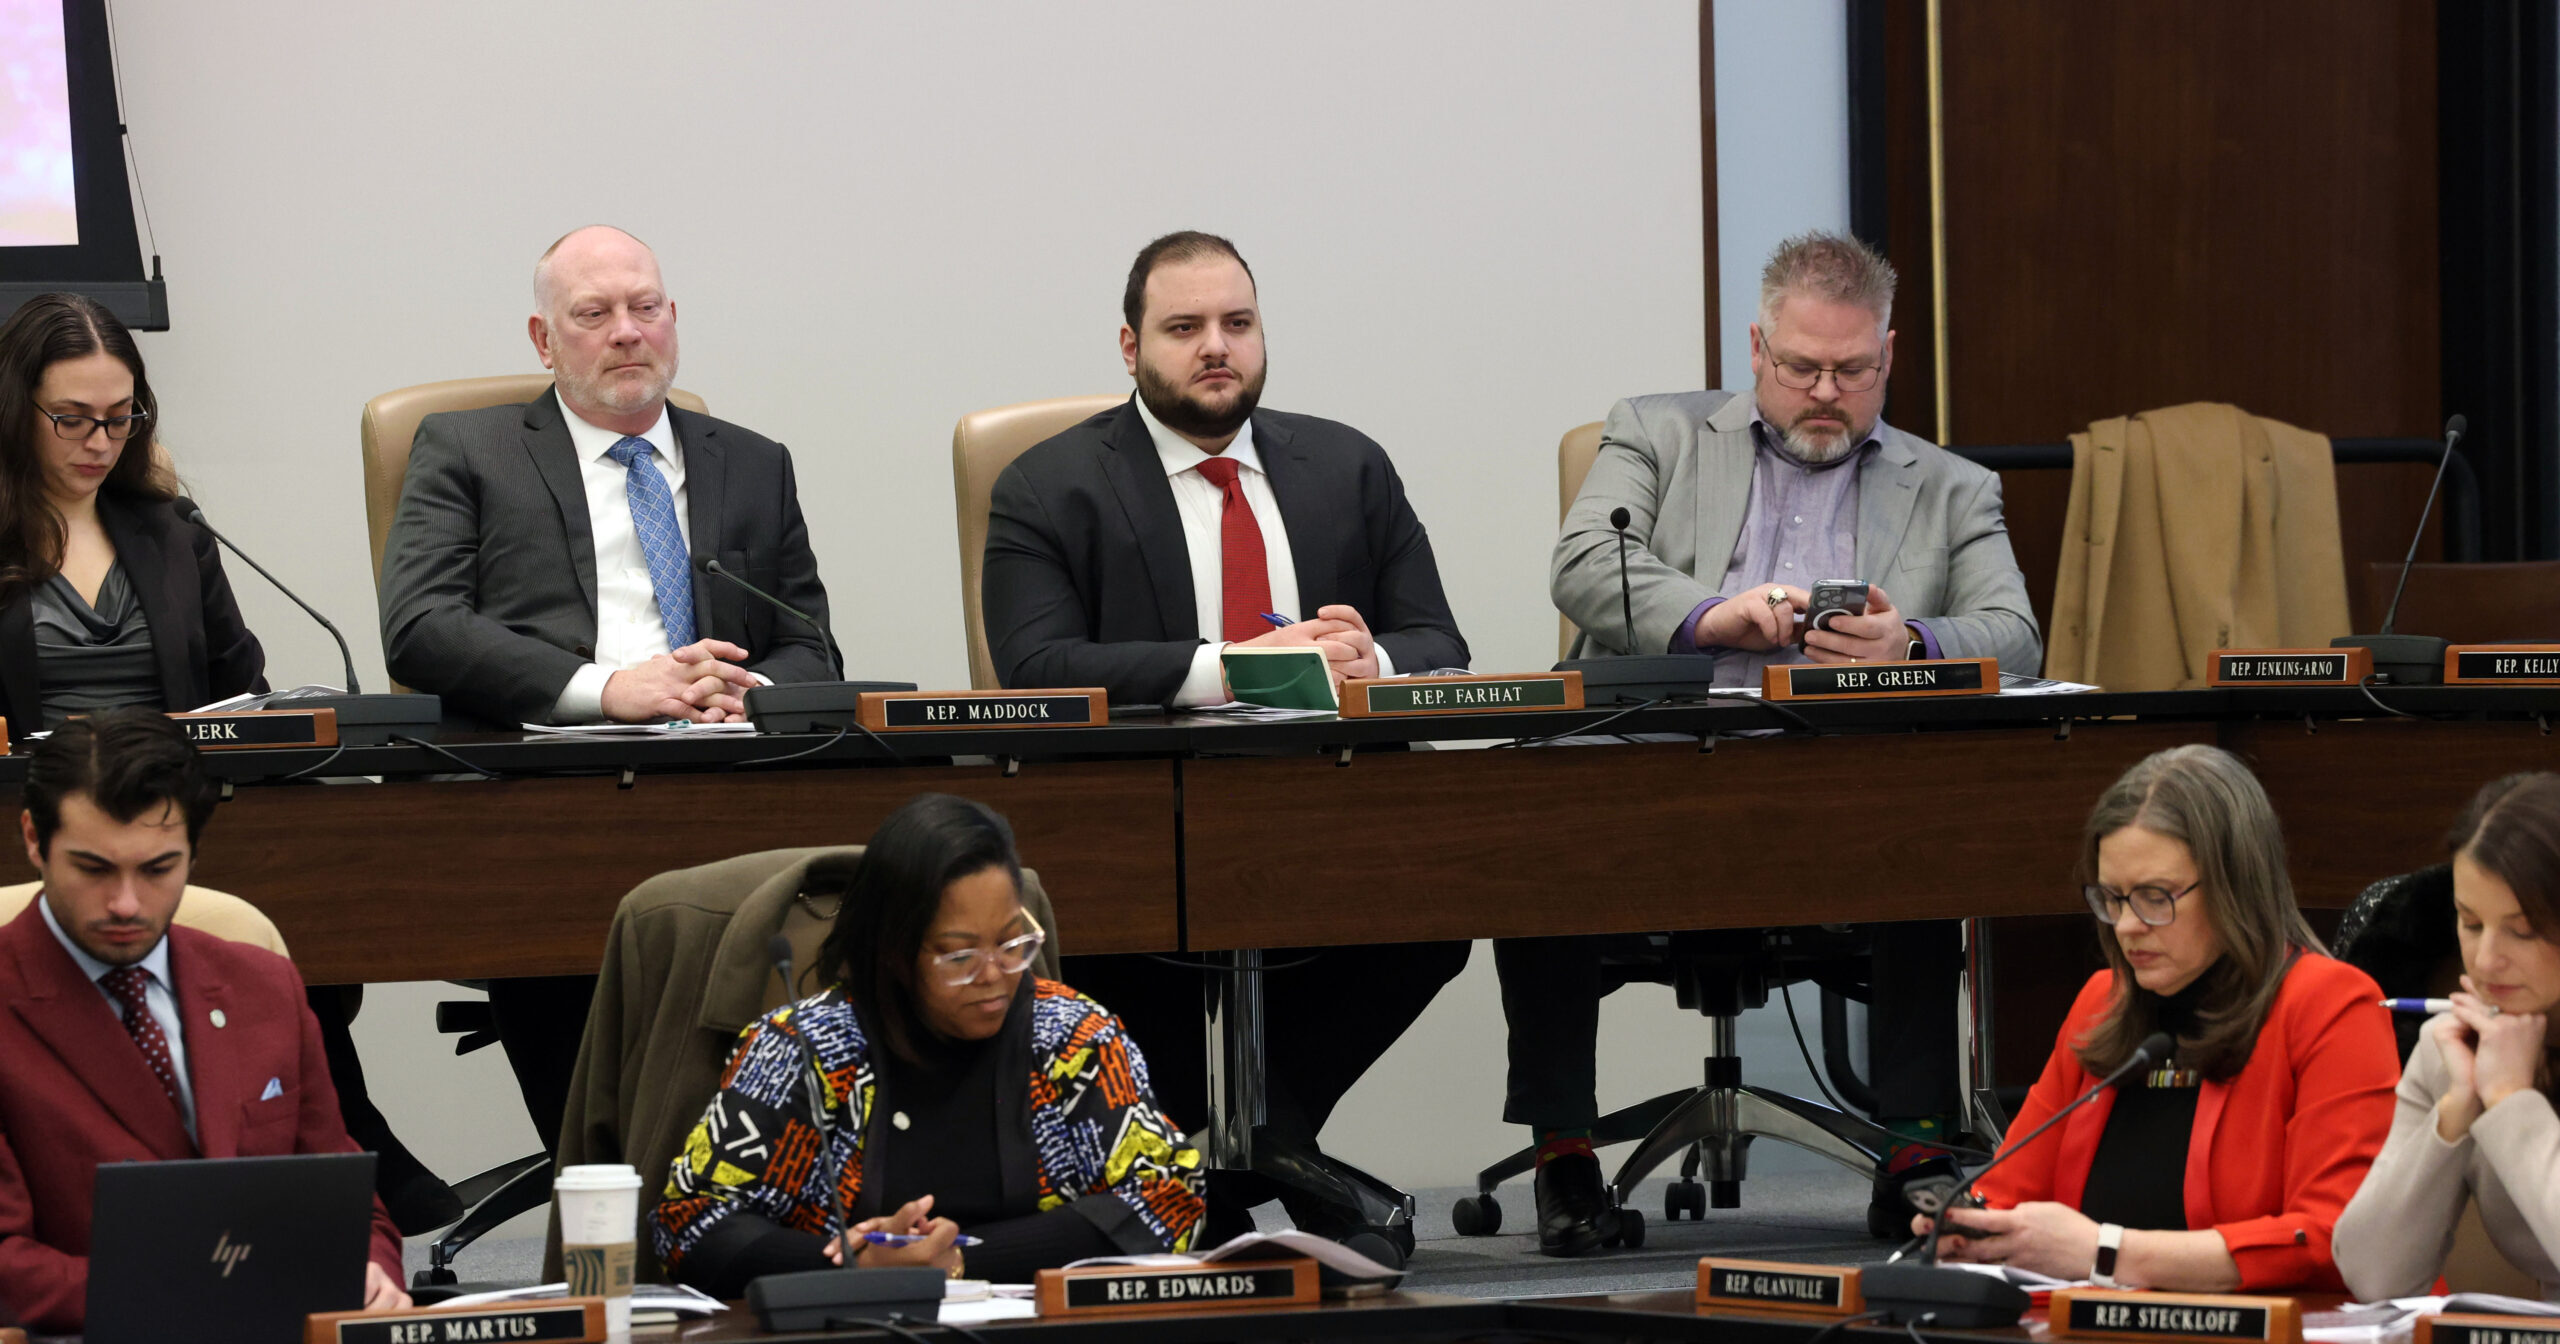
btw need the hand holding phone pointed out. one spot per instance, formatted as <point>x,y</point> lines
<point>1831,599</point>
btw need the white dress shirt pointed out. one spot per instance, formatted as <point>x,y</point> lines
<point>1202,506</point>
<point>629,630</point>
<point>159,994</point>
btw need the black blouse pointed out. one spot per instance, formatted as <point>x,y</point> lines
<point>2139,1177</point>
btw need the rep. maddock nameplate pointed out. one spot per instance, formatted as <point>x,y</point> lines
<point>925,711</point>
<point>1878,681</point>
<point>1771,1285</point>
<point>2084,1313</point>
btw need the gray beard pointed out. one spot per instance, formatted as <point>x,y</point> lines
<point>1825,447</point>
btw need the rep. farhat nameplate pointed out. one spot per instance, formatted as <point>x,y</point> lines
<point>1879,681</point>
<point>563,1320</point>
<point>2091,1313</point>
<point>243,729</point>
<point>2290,667</point>
<point>931,711</point>
<point>2466,1328</point>
<point>1119,1290</point>
<point>1380,697</point>
<point>1771,1285</point>
<point>2502,665</point>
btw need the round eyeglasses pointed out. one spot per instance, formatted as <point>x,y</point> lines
<point>1803,377</point>
<point>1013,956</point>
<point>2153,905</point>
<point>79,427</point>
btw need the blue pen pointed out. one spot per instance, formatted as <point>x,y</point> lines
<point>2429,1007</point>
<point>1277,619</point>
<point>910,1239</point>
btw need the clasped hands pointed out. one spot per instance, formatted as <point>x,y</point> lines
<point>703,681</point>
<point>2489,1056</point>
<point>1350,651</point>
<point>913,1219</point>
<point>1753,623</point>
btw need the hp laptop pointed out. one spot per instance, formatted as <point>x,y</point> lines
<point>227,1251</point>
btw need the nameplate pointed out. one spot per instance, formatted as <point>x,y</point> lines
<point>1880,681</point>
<point>261,728</point>
<point>2502,665</point>
<point>1381,697</point>
<point>2290,667</point>
<point>2462,1328</point>
<point>931,711</point>
<point>566,1320</point>
<point>2093,1313</point>
<point>1770,1285</point>
<point>1121,1290</point>
<point>10,1334</point>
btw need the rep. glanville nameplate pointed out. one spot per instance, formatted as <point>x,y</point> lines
<point>1880,681</point>
<point>1380,697</point>
<point>1771,1285</point>
<point>555,1320</point>
<point>2290,667</point>
<point>2455,1327</point>
<point>241,730</point>
<point>2096,1313</point>
<point>927,711</point>
<point>2502,665</point>
<point>1120,1290</point>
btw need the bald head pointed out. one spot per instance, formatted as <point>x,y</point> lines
<point>581,246</point>
<point>604,326</point>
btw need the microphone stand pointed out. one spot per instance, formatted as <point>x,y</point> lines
<point>801,706</point>
<point>2410,660</point>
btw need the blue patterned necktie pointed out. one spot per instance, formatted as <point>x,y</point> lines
<point>653,516</point>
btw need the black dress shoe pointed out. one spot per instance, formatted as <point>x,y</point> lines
<point>1574,1213</point>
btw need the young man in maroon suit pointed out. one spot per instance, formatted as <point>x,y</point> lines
<point>125,1039</point>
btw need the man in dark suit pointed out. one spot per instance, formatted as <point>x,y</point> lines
<point>544,565</point>
<point>127,1039</point>
<point>1130,551</point>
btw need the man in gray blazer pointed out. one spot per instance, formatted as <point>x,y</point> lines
<point>1739,503</point>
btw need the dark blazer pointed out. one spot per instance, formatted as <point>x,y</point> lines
<point>75,1093</point>
<point>489,572</point>
<point>1088,580</point>
<point>205,651</point>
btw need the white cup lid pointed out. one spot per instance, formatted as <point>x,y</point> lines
<point>597,1176</point>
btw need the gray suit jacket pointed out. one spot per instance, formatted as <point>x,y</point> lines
<point>489,573</point>
<point>1929,530</point>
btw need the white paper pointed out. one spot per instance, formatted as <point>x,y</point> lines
<point>249,700</point>
<point>674,1298</point>
<point>979,1310</point>
<point>1241,710</point>
<point>2013,683</point>
<point>675,728</point>
<point>1331,1254</point>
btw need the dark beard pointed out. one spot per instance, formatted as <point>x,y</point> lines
<point>1185,416</point>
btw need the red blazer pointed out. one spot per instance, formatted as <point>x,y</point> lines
<point>74,1093</point>
<point>2277,1150</point>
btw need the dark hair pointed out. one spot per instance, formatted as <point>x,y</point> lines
<point>1171,249</point>
<point>2512,830</point>
<point>2205,799</point>
<point>891,900</point>
<point>126,761</point>
<point>45,331</point>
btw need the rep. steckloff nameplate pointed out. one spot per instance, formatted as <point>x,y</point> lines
<point>1880,681</point>
<point>1771,1285</point>
<point>928,711</point>
<point>2090,1313</point>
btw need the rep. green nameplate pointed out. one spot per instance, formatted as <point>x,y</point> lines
<point>1381,697</point>
<point>1880,681</point>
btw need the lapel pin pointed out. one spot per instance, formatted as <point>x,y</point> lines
<point>219,1020</point>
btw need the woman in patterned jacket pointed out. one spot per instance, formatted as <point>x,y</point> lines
<point>952,1093</point>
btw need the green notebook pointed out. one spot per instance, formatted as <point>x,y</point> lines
<point>1283,678</point>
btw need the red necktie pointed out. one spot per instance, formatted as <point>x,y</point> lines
<point>128,983</point>
<point>1245,577</point>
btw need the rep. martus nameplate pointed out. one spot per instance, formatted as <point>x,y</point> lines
<point>925,711</point>
<point>2465,1328</point>
<point>559,1320</point>
<point>1119,1290</point>
<point>2290,667</point>
<point>1379,697</point>
<point>1771,1285</point>
<point>243,729</point>
<point>2502,665</point>
<point>1878,681</point>
<point>2095,1313</point>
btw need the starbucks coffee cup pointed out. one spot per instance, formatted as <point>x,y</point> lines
<point>599,1219</point>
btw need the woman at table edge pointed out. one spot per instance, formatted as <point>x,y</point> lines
<point>958,1092</point>
<point>2225,1167</point>
<point>2475,1117</point>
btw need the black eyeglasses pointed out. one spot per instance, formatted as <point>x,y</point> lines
<point>2153,905</point>
<point>1801,376</point>
<point>78,427</point>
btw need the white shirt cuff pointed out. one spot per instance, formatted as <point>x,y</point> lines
<point>1386,660</point>
<point>582,700</point>
<point>1207,682</point>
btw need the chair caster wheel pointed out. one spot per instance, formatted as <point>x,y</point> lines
<point>1631,1229</point>
<point>1684,1199</point>
<point>1476,1216</point>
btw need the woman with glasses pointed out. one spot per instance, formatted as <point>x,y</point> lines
<point>2224,1166</point>
<point>107,596</point>
<point>2475,1117</point>
<point>966,1114</point>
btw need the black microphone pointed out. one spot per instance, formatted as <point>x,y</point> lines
<point>196,516</point>
<point>2410,660</point>
<point>804,706</point>
<point>1618,518</point>
<point>712,567</point>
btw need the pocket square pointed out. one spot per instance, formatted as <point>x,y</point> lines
<point>275,1089</point>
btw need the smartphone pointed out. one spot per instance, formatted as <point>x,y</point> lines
<point>1829,600</point>
<point>1929,1195</point>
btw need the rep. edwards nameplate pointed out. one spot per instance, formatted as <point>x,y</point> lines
<point>930,711</point>
<point>1381,697</point>
<point>1880,681</point>
<point>2502,665</point>
<point>1771,1285</point>
<point>2464,1328</point>
<point>2097,1313</point>
<point>2290,667</point>
<point>556,1320</point>
<point>1123,1290</point>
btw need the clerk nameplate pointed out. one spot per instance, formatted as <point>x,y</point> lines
<point>570,1320</point>
<point>1381,697</point>
<point>2090,1313</point>
<point>2463,1328</point>
<point>1120,1290</point>
<point>1770,1285</point>
<point>1878,681</point>
<point>260,728</point>
<point>2502,665</point>
<point>2291,667</point>
<point>930,711</point>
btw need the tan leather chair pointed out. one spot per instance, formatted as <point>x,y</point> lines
<point>1574,456</point>
<point>219,913</point>
<point>982,446</point>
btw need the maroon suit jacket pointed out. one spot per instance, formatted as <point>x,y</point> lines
<point>75,1092</point>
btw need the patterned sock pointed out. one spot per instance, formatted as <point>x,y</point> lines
<point>1555,1143</point>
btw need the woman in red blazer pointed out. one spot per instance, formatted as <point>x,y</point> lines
<point>2226,1166</point>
